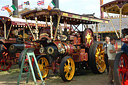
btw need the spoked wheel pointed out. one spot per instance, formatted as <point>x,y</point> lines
<point>96,58</point>
<point>43,64</point>
<point>121,69</point>
<point>88,37</point>
<point>5,60</point>
<point>67,68</point>
<point>25,63</point>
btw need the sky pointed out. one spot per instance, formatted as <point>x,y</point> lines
<point>73,6</point>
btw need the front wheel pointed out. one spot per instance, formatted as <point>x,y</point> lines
<point>43,64</point>
<point>121,69</point>
<point>67,68</point>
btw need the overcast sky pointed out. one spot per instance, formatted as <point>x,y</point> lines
<point>74,6</point>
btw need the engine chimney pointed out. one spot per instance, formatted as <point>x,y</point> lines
<point>56,2</point>
<point>101,13</point>
<point>15,13</point>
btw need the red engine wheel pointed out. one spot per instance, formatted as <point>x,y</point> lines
<point>26,63</point>
<point>121,69</point>
<point>5,60</point>
<point>88,37</point>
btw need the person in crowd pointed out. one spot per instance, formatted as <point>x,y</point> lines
<point>107,42</point>
<point>111,57</point>
<point>125,46</point>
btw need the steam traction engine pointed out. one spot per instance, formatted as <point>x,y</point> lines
<point>14,37</point>
<point>66,49</point>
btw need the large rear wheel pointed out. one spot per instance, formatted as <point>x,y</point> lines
<point>5,60</point>
<point>96,58</point>
<point>43,64</point>
<point>121,69</point>
<point>67,68</point>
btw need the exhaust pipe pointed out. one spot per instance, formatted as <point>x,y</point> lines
<point>15,13</point>
<point>19,47</point>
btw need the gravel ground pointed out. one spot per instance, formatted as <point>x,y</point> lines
<point>10,78</point>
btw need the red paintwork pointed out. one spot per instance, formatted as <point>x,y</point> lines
<point>79,41</point>
<point>76,57</point>
<point>123,69</point>
<point>26,64</point>
<point>80,56</point>
<point>69,48</point>
<point>124,40</point>
<point>75,40</point>
<point>17,54</point>
<point>83,55</point>
<point>28,46</point>
<point>8,41</point>
<point>116,45</point>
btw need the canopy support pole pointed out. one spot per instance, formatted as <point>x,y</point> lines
<point>112,24</point>
<point>5,32</point>
<point>51,29</point>
<point>30,28</point>
<point>82,27</point>
<point>96,31</point>
<point>9,31</point>
<point>24,34</point>
<point>120,22</point>
<point>37,31</point>
<point>57,26</point>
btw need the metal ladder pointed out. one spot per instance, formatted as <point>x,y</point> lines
<point>30,53</point>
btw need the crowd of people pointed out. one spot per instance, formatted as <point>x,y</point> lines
<point>110,54</point>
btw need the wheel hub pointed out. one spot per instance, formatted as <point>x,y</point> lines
<point>89,38</point>
<point>50,50</point>
<point>68,69</point>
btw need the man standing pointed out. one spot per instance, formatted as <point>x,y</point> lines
<point>107,42</point>
<point>111,57</point>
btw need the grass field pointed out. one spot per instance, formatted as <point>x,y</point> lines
<point>88,78</point>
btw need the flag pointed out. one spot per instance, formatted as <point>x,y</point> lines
<point>51,5</point>
<point>26,3</point>
<point>8,9</point>
<point>41,2</point>
<point>12,8</point>
<point>20,6</point>
<point>4,7</point>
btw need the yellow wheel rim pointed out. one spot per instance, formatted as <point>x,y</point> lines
<point>43,66</point>
<point>69,68</point>
<point>99,57</point>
